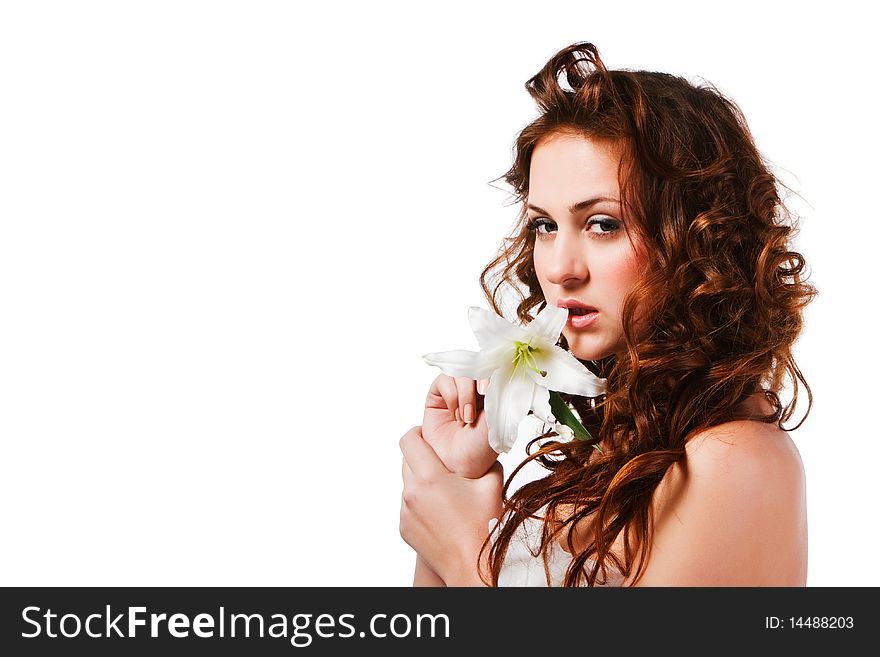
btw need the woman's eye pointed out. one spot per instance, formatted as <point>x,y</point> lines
<point>607,227</point>
<point>536,224</point>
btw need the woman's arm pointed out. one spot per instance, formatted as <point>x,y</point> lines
<point>424,576</point>
<point>455,427</point>
<point>737,515</point>
<point>445,517</point>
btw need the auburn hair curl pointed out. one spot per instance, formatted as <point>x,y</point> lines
<point>722,290</point>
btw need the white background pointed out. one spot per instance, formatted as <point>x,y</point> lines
<point>231,229</point>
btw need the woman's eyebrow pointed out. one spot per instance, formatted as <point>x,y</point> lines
<point>577,207</point>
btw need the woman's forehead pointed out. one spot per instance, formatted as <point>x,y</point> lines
<point>575,163</point>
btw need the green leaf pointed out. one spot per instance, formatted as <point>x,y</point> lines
<point>563,415</point>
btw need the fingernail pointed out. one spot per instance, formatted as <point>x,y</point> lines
<point>481,387</point>
<point>468,413</point>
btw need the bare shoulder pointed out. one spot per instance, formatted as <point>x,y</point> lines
<point>744,453</point>
<point>734,514</point>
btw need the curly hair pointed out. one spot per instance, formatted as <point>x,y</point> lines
<point>722,293</point>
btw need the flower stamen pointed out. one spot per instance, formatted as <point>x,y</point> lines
<point>523,356</point>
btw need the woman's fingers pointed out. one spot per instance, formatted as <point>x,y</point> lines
<point>446,388</point>
<point>461,395</point>
<point>405,471</point>
<point>421,459</point>
<point>467,399</point>
<point>470,398</point>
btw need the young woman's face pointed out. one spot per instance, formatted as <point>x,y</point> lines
<point>582,254</point>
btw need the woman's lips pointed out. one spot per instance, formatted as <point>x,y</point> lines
<point>581,321</point>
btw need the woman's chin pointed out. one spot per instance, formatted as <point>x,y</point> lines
<point>582,353</point>
<point>594,346</point>
<point>585,355</point>
<point>588,356</point>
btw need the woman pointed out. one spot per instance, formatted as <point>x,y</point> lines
<point>644,199</point>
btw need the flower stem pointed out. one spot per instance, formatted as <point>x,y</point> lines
<point>564,416</point>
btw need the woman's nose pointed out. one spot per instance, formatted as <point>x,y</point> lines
<point>568,261</point>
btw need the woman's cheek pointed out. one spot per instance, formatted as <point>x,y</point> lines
<point>623,274</point>
<point>538,264</point>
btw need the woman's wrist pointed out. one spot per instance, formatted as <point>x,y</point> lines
<point>465,578</point>
<point>425,576</point>
<point>465,571</point>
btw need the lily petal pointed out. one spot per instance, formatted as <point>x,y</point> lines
<point>541,405</point>
<point>472,364</point>
<point>548,324</point>
<point>565,432</point>
<point>508,400</point>
<point>565,373</point>
<point>492,329</point>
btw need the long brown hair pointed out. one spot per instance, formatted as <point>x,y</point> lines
<point>723,297</point>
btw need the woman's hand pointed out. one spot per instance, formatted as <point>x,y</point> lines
<point>445,517</point>
<point>454,425</point>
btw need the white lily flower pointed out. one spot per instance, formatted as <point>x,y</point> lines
<point>523,365</point>
<point>564,431</point>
